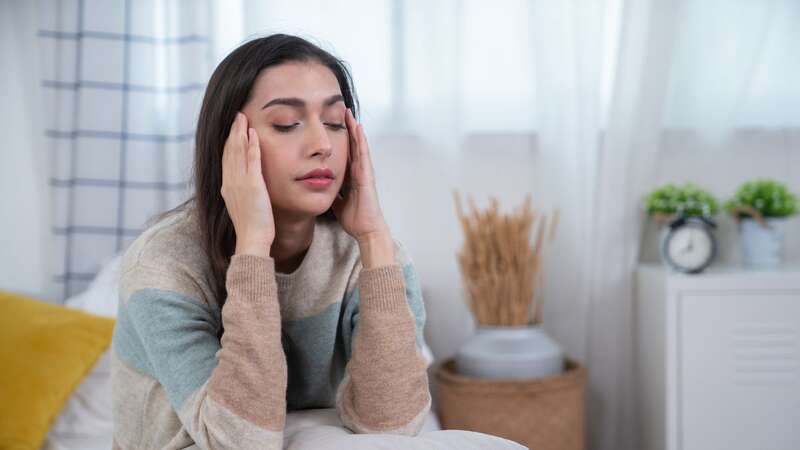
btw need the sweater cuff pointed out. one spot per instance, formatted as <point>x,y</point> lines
<point>252,277</point>
<point>383,288</point>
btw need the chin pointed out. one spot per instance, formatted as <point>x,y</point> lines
<point>315,208</point>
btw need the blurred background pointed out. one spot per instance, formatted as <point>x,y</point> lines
<point>584,105</point>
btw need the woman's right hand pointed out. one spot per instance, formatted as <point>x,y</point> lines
<point>245,192</point>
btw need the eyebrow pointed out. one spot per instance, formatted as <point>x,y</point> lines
<point>299,103</point>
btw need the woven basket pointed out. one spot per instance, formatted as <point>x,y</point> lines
<point>543,414</point>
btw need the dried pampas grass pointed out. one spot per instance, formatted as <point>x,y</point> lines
<point>501,270</point>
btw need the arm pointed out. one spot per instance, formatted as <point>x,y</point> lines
<point>385,387</point>
<point>237,400</point>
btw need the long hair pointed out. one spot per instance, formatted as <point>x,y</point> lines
<point>228,90</point>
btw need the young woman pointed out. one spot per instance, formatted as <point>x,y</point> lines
<point>278,285</point>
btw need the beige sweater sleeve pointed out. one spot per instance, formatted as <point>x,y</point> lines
<point>385,387</point>
<point>228,393</point>
<point>250,379</point>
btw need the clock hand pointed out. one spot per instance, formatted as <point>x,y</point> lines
<point>687,248</point>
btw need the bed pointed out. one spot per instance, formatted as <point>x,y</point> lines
<point>85,421</point>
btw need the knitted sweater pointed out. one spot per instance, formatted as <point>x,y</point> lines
<point>330,334</point>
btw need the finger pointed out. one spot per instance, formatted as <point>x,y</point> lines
<point>229,152</point>
<point>243,127</point>
<point>352,131</point>
<point>230,139</point>
<point>363,148</point>
<point>239,146</point>
<point>234,126</point>
<point>362,142</point>
<point>253,153</point>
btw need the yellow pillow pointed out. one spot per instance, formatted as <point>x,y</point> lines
<point>45,351</point>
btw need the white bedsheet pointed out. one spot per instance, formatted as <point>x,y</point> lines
<point>318,429</point>
<point>322,429</point>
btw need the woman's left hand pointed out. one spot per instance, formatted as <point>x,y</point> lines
<point>358,211</point>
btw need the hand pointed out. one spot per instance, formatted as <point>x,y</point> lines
<point>358,211</point>
<point>245,192</point>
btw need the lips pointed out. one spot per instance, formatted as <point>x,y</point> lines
<point>318,173</point>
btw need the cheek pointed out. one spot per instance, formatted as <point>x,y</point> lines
<point>341,143</point>
<point>272,162</point>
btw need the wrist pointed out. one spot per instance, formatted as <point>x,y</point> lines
<point>261,249</point>
<point>376,250</point>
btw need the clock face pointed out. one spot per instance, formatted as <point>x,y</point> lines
<point>689,248</point>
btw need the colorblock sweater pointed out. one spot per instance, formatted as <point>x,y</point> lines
<point>330,334</point>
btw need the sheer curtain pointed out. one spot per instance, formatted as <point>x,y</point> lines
<point>121,84</point>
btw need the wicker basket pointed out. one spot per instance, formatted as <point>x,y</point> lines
<point>543,414</point>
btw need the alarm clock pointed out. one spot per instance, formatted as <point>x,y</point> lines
<point>688,244</point>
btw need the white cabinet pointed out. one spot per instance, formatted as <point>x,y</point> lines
<point>718,359</point>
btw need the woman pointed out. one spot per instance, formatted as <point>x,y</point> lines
<point>277,286</point>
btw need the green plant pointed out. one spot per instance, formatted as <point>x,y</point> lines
<point>689,199</point>
<point>769,197</point>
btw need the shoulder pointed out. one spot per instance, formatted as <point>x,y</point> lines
<point>168,256</point>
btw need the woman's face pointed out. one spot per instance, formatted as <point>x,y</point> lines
<point>298,111</point>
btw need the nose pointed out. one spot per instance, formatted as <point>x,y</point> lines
<point>318,141</point>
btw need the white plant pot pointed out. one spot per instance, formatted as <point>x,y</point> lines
<point>506,352</point>
<point>762,247</point>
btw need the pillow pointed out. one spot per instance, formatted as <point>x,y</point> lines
<point>87,414</point>
<point>101,297</point>
<point>46,351</point>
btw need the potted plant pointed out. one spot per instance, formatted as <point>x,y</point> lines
<point>761,208</point>
<point>689,200</point>
<point>502,273</point>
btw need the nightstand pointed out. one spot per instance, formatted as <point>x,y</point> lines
<point>718,358</point>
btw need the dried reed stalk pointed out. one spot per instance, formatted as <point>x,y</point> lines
<point>501,270</point>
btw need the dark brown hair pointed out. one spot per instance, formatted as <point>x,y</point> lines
<point>227,92</point>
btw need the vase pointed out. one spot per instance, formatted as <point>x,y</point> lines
<point>510,352</point>
<point>762,246</point>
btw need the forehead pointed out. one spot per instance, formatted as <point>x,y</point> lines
<point>310,81</point>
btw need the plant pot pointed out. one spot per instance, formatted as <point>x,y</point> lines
<point>542,414</point>
<point>762,246</point>
<point>506,352</point>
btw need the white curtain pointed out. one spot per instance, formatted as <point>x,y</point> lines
<point>122,83</point>
<point>23,190</point>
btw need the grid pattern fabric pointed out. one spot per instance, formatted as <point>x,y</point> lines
<point>123,81</point>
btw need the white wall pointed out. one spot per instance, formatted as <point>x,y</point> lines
<point>415,195</point>
<point>754,155</point>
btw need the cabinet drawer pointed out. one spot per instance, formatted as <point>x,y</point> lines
<point>737,370</point>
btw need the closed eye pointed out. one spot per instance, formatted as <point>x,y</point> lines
<point>284,128</point>
<point>336,126</point>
